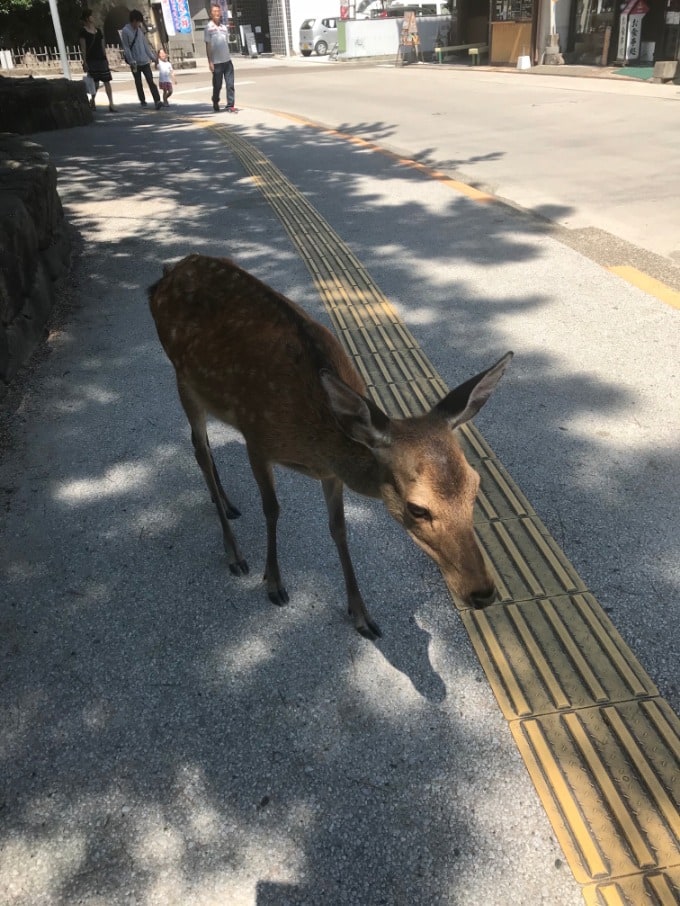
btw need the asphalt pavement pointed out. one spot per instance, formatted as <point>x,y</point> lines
<point>169,737</point>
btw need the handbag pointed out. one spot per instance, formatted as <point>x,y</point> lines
<point>90,86</point>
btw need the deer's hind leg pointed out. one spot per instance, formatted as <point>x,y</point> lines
<point>195,413</point>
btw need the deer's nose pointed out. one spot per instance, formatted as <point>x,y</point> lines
<point>484,598</point>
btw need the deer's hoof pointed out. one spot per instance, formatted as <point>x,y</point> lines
<point>240,568</point>
<point>278,597</point>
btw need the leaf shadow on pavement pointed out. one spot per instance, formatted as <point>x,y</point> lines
<point>168,735</point>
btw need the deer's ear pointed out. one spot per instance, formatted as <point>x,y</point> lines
<point>358,417</point>
<point>461,404</point>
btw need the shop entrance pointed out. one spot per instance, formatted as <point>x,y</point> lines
<point>591,31</point>
<point>511,30</point>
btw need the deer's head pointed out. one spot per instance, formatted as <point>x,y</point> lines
<point>424,478</point>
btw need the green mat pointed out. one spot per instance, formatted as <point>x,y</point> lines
<point>636,72</point>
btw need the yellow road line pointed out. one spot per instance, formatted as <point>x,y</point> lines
<point>632,275</point>
<point>647,284</point>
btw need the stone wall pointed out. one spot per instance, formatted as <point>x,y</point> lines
<point>35,248</point>
<point>38,105</point>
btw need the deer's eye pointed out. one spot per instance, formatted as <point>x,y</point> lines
<point>418,512</point>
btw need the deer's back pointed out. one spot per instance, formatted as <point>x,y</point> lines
<point>252,356</point>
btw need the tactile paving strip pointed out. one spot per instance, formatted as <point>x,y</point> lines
<point>554,654</point>
<point>526,561</point>
<point>654,888</point>
<point>620,761</point>
<point>601,747</point>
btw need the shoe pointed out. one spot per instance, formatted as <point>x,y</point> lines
<point>216,107</point>
<point>92,104</point>
<point>166,103</point>
<point>159,104</point>
<point>112,109</point>
<point>231,109</point>
<point>143,104</point>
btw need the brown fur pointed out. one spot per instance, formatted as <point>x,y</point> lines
<point>252,358</point>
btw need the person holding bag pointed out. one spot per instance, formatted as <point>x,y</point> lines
<point>139,56</point>
<point>93,55</point>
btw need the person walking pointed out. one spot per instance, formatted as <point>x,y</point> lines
<point>166,76</point>
<point>93,55</point>
<point>139,56</point>
<point>219,59</point>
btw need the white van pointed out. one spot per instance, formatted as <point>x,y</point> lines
<point>318,35</point>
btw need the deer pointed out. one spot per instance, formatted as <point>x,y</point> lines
<point>246,355</point>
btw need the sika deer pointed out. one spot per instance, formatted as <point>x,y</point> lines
<point>246,355</point>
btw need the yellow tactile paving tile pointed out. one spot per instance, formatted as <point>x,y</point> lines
<point>389,336</point>
<point>473,443</point>
<point>608,779</point>
<point>498,497</point>
<point>393,368</point>
<point>654,888</point>
<point>553,655</point>
<point>526,561</point>
<point>383,340</point>
<point>602,748</point>
<point>400,400</point>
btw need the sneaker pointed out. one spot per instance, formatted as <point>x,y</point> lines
<point>231,109</point>
<point>159,104</point>
<point>216,107</point>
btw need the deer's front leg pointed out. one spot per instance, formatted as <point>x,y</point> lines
<point>195,413</point>
<point>264,477</point>
<point>332,489</point>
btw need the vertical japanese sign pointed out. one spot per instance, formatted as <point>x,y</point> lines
<point>630,29</point>
<point>634,30</point>
<point>179,18</point>
<point>167,18</point>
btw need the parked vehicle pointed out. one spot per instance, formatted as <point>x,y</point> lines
<point>318,35</point>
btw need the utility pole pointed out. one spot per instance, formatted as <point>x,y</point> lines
<point>56,21</point>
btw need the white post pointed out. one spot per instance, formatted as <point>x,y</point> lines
<point>60,38</point>
<point>284,16</point>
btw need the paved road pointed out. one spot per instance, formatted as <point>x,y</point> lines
<point>581,152</point>
<point>169,737</point>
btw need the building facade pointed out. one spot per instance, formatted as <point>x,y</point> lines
<point>594,32</point>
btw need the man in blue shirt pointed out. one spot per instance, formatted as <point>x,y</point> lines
<point>219,59</point>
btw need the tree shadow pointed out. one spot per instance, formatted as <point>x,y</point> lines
<point>168,734</point>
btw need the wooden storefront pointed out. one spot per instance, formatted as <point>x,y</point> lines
<point>511,30</point>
